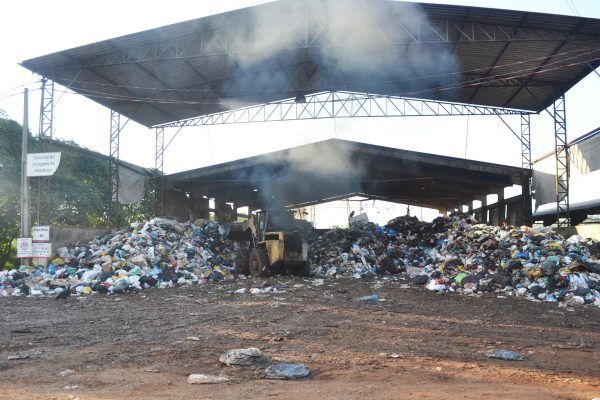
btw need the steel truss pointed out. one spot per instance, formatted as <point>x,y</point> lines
<point>113,169</point>
<point>340,105</point>
<point>526,165</point>
<point>44,187</point>
<point>159,166</point>
<point>562,163</point>
<point>308,31</point>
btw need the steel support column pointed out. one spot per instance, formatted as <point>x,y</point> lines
<point>527,166</point>
<point>44,199</point>
<point>159,166</point>
<point>113,169</point>
<point>562,162</point>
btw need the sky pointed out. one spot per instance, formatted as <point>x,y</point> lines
<point>32,28</point>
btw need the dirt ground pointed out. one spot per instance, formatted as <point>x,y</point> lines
<point>135,346</point>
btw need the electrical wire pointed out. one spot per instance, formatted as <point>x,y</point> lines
<point>571,4</point>
<point>470,83</point>
<point>458,73</point>
<point>525,72</point>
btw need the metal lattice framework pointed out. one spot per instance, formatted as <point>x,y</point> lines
<point>526,164</point>
<point>159,166</point>
<point>562,162</point>
<point>350,105</point>
<point>340,105</point>
<point>44,183</point>
<point>308,35</point>
<point>113,169</point>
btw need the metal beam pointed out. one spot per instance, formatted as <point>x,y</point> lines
<point>500,54</point>
<point>561,146</point>
<point>341,105</point>
<point>116,127</point>
<point>526,165</point>
<point>44,183</point>
<point>159,166</point>
<point>225,39</point>
<point>546,61</point>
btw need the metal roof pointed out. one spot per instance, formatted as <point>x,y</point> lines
<point>580,139</point>
<point>280,50</point>
<point>317,172</point>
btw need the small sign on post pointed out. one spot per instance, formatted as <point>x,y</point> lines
<point>41,233</point>
<point>42,164</point>
<point>24,248</point>
<point>42,250</point>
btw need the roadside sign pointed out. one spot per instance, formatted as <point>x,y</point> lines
<point>42,164</point>
<point>24,248</point>
<point>42,250</point>
<point>41,233</point>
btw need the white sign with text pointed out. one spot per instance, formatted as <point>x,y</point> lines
<point>42,164</point>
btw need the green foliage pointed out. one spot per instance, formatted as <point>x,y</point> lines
<point>78,189</point>
<point>10,173</point>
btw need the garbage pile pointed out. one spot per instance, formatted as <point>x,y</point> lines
<point>160,253</point>
<point>456,254</point>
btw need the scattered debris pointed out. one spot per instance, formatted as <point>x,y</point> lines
<point>193,338</point>
<point>66,372</point>
<point>18,357</point>
<point>202,379</point>
<point>249,356</point>
<point>507,355</point>
<point>372,297</point>
<point>283,370</point>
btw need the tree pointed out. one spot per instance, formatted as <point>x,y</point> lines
<point>10,189</point>
<point>78,189</point>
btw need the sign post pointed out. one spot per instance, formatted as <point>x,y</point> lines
<point>42,164</point>
<point>25,212</point>
<point>24,248</point>
<point>41,233</point>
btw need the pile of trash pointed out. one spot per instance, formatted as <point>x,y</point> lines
<point>449,254</point>
<point>456,254</point>
<point>160,253</point>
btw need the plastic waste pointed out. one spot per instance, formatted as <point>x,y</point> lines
<point>507,355</point>
<point>371,297</point>
<point>203,379</point>
<point>249,356</point>
<point>283,370</point>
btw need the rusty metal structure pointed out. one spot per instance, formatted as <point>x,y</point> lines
<point>192,73</point>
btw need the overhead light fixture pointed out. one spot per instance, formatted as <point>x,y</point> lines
<point>300,98</point>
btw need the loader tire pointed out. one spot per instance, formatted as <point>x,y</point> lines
<point>259,266</point>
<point>242,261</point>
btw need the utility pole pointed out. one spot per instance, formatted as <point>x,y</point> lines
<point>25,212</point>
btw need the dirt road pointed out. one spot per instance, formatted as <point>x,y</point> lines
<point>134,346</point>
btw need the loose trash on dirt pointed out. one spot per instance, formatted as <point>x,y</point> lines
<point>245,357</point>
<point>449,254</point>
<point>283,370</point>
<point>203,379</point>
<point>372,297</point>
<point>18,357</point>
<point>507,355</point>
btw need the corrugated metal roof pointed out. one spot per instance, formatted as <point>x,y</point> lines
<point>402,176</point>
<point>275,51</point>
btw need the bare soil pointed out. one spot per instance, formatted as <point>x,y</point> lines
<point>134,346</point>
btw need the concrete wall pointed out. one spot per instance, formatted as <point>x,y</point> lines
<point>587,231</point>
<point>64,236</point>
